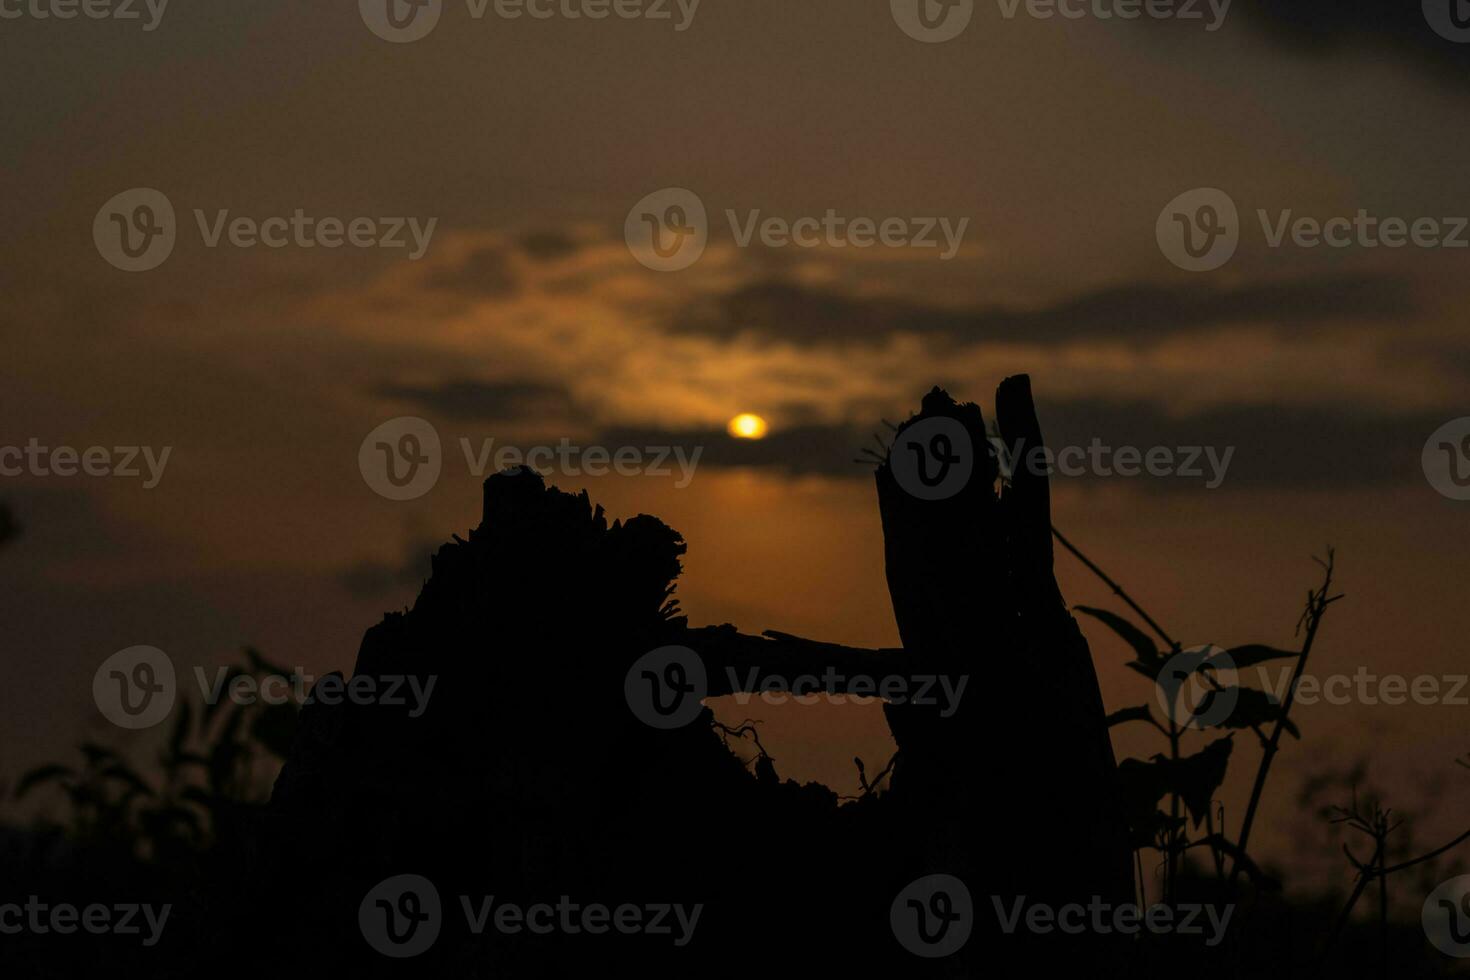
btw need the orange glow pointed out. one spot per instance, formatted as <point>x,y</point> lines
<point>747,426</point>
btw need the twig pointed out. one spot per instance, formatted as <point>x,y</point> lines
<point>1317,603</point>
<point>1117,589</point>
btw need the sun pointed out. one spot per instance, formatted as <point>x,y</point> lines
<point>748,426</point>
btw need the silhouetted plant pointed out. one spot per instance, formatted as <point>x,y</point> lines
<point>1371,819</point>
<point>208,772</point>
<point>1193,780</point>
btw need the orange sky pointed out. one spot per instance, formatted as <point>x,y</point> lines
<point>528,321</point>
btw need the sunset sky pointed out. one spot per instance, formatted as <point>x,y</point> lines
<point>528,321</point>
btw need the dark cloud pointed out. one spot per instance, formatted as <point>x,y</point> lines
<point>796,451</point>
<point>1398,27</point>
<point>485,272</point>
<point>64,519</point>
<point>798,314</point>
<point>545,246</point>
<point>1277,447</point>
<point>477,401</point>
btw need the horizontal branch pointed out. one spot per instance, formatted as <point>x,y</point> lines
<point>737,663</point>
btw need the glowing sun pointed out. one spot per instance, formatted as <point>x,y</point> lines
<point>747,426</point>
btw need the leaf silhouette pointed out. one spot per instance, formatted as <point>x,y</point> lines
<point>1257,653</point>
<point>1195,778</point>
<point>1232,850</point>
<point>122,774</point>
<point>1198,776</point>
<point>1252,708</point>
<point>1136,638</point>
<point>1151,669</point>
<point>1137,713</point>
<point>40,775</point>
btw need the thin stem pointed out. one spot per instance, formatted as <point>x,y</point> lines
<point>1173,811</point>
<point>1383,897</point>
<point>1347,910</point>
<point>1117,589</point>
<point>1317,604</point>
<point>1372,871</point>
<point>1172,851</point>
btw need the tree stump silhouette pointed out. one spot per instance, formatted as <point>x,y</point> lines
<point>527,777</point>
